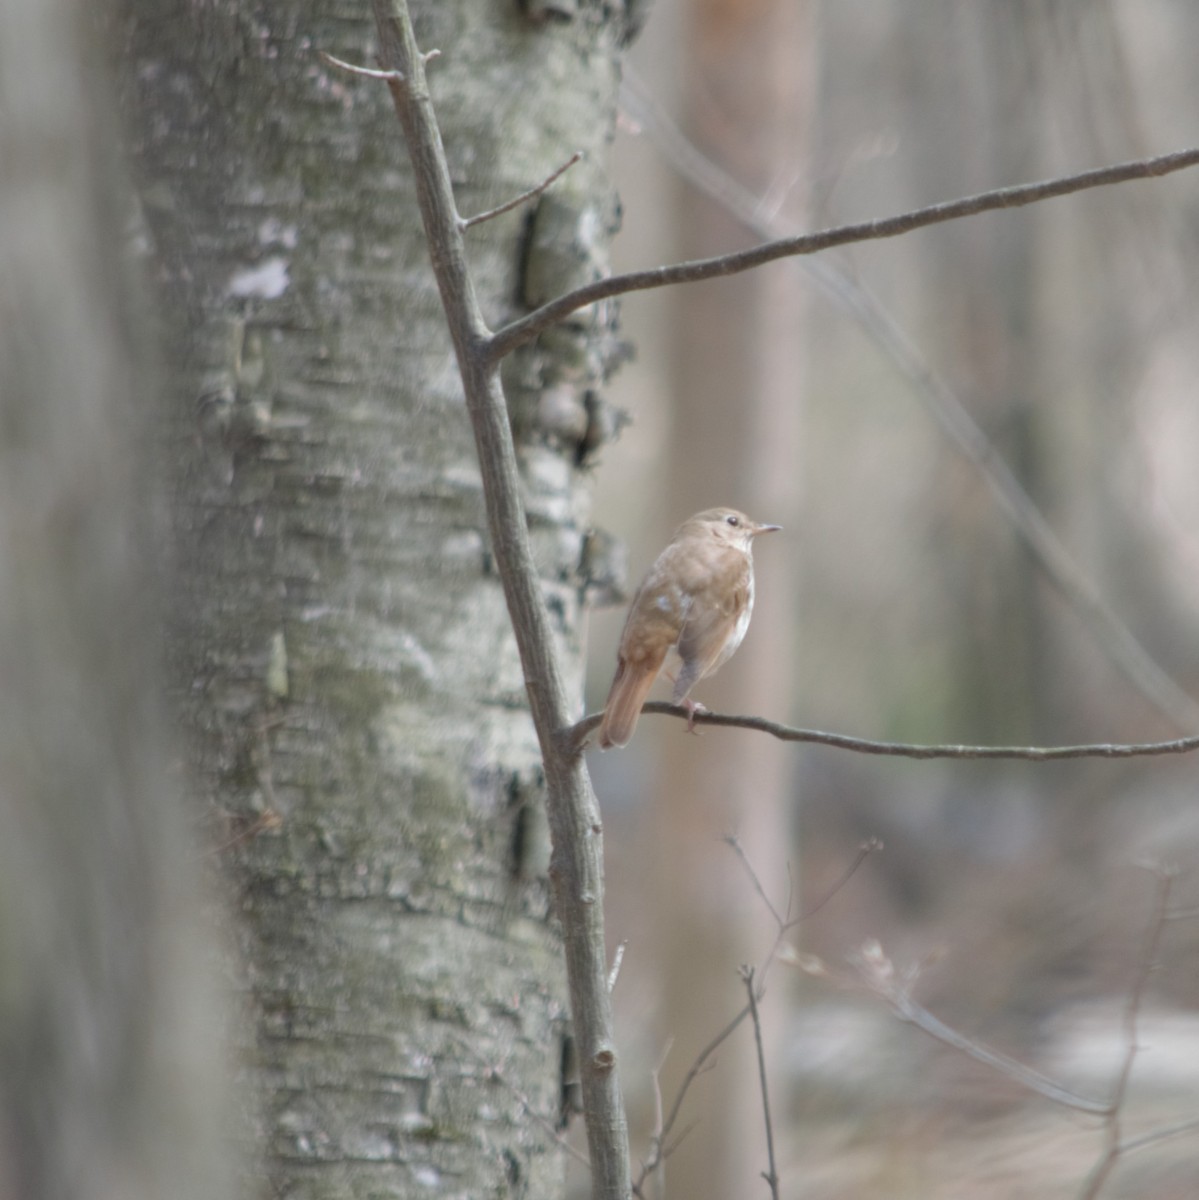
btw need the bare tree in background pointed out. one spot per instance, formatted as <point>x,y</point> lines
<point>113,1079</point>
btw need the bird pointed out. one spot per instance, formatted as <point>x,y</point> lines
<point>698,598</point>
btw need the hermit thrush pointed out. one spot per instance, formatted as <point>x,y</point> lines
<point>697,597</point>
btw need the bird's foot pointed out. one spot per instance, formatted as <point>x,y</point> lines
<point>693,708</point>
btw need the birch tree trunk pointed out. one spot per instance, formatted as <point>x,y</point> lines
<point>343,644</point>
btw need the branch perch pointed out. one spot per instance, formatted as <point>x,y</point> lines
<point>518,332</point>
<point>574,737</point>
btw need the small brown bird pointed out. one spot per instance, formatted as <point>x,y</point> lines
<point>697,597</point>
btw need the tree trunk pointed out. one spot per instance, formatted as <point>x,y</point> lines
<point>343,643</point>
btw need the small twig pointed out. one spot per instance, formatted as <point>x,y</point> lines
<point>365,72</point>
<point>574,737</point>
<point>771,1174</point>
<point>523,330</point>
<point>1114,1147</point>
<point>907,1009</point>
<point>493,1072</point>
<point>478,219</point>
<point>865,850</point>
<point>1156,1136</point>
<point>658,1135</point>
<point>735,842</point>
<point>877,972</point>
<point>660,1150</point>
<point>614,972</point>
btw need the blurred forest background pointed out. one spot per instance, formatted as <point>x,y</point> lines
<point>899,602</point>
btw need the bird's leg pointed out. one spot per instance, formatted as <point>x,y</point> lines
<point>693,707</point>
<point>687,678</point>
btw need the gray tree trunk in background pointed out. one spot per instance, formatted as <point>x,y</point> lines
<point>112,1082</point>
<point>363,739</point>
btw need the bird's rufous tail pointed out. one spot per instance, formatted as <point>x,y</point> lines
<point>629,689</point>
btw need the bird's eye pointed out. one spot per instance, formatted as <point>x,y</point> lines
<point>732,520</point>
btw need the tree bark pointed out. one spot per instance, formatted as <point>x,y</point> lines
<point>344,646</point>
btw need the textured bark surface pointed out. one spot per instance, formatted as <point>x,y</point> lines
<point>345,649</point>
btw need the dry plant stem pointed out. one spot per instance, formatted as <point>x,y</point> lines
<point>908,1010</point>
<point>1111,634</point>
<point>771,1174</point>
<point>573,737</point>
<point>659,1148</point>
<point>1114,1147</point>
<point>576,868</point>
<point>518,332</point>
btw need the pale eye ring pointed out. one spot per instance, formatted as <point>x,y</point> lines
<point>732,520</point>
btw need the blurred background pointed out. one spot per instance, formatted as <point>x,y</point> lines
<point>902,601</point>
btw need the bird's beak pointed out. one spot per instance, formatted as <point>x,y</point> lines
<point>767,529</point>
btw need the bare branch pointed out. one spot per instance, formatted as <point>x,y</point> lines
<point>576,868</point>
<point>1110,634</point>
<point>735,842</point>
<point>364,72</point>
<point>516,202</point>
<point>1114,1147</point>
<point>617,961</point>
<point>518,332</point>
<point>659,1148</point>
<point>771,1174</point>
<point>877,973</point>
<point>493,1072</point>
<point>573,738</point>
<point>865,850</point>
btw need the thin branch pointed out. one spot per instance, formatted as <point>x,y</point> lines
<point>1156,1136</point>
<point>659,1150</point>
<point>364,72</point>
<point>1114,1147</point>
<point>870,846</point>
<point>523,330</point>
<point>657,1137</point>
<point>771,1174</point>
<point>1111,635</point>
<point>576,867</point>
<point>735,843</point>
<point>617,961</point>
<point>516,202</point>
<point>876,971</point>
<point>493,1072</point>
<point>573,737</point>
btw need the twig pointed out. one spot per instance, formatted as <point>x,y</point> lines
<point>523,330</point>
<point>617,960</point>
<point>659,1149</point>
<point>907,1009</point>
<point>657,1137</point>
<point>576,867</point>
<point>493,1072</point>
<point>517,201</point>
<point>735,843</point>
<point>1113,1145</point>
<point>573,737</point>
<point>1111,635</point>
<point>771,1174</point>
<point>868,847</point>
<point>365,72</point>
